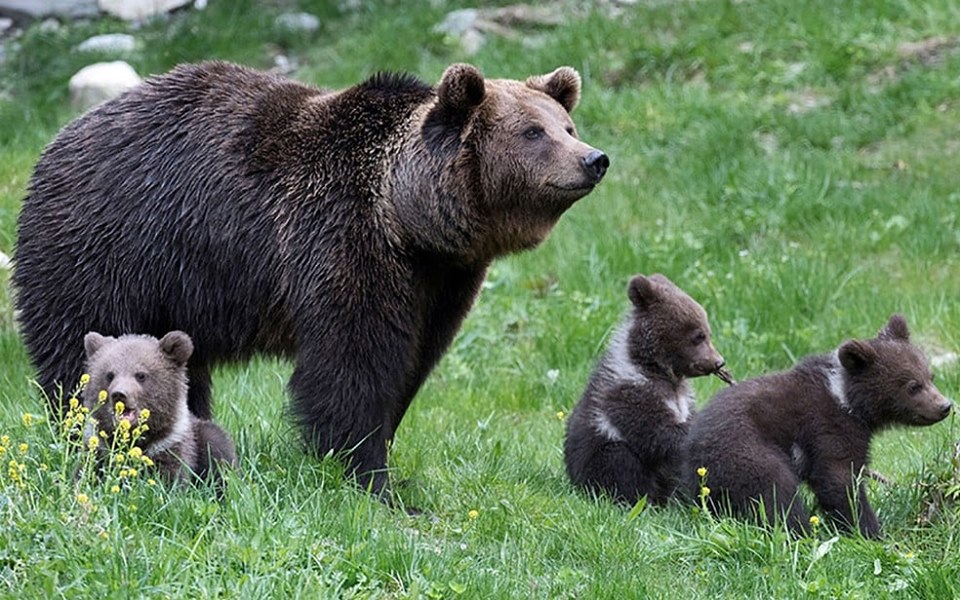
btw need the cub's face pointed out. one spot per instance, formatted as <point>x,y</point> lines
<point>895,376</point>
<point>139,372</point>
<point>672,326</point>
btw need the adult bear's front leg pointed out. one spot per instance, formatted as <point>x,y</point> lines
<point>342,396</point>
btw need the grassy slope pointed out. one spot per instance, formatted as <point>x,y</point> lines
<point>795,229</point>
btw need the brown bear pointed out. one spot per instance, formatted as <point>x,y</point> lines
<point>136,372</point>
<point>625,436</point>
<point>347,230</point>
<point>761,438</point>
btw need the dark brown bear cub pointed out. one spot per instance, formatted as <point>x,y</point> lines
<point>136,372</point>
<point>625,435</point>
<point>347,231</point>
<point>761,438</point>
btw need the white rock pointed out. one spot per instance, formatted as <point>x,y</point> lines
<point>299,22</point>
<point>4,261</point>
<point>113,43</point>
<point>139,10</point>
<point>5,24</point>
<point>95,83</point>
<point>458,22</point>
<point>43,8</point>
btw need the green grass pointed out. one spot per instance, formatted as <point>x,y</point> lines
<point>796,228</point>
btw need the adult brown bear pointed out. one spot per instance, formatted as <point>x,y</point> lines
<point>349,230</point>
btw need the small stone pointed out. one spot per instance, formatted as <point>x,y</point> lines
<point>98,82</point>
<point>112,43</point>
<point>4,261</point>
<point>301,21</point>
<point>139,10</point>
<point>458,22</point>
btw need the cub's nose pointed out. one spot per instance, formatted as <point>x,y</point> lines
<point>719,364</point>
<point>118,396</point>
<point>595,163</point>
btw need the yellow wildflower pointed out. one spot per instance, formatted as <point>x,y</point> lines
<point>93,442</point>
<point>814,520</point>
<point>4,440</point>
<point>145,414</point>
<point>147,461</point>
<point>2,451</point>
<point>560,415</point>
<point>74,403</point>
<point>135,452</point>
<point>115,489</point>
<point>132,472</point>
<point>119,407</point>
<point>704,491</point>
<point>124,473</point>
<point>102,396</point>
<point>702,471</point>
<point>85,379</point>
<point>103,535</point>
<point>124,425</point>
<point>82,498</point>
<point>27,419</point>
<point>23,447</point>
<point>473,514</point>
<point>151,481</point>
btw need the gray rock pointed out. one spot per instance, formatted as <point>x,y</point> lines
<point>139,10</point>
<point>111,43</point>
<point>98,82</point>
<point>46,8</point>
<point>299,22</point>
<point>458,22</point>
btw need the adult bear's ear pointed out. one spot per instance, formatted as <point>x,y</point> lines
<point>459,93</point>
<point>93,341</point>
<point>643,291</point>
<point>856,355</point>
<point>563,85</point>
<point>177,346</point>
<point>895,329</point>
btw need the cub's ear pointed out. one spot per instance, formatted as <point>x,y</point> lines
<point>643,291</point>
<point>856,355</point>
<point>895,329</point>
<point>93,341</point>
<point>563,85</point>
<point>460,91</point>
<point>177,346</point>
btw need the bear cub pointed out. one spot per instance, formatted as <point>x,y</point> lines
<point>625,435</point>
<point>142,372</point>
<point>761,438</point>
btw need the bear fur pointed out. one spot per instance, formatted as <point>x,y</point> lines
<point>143,372</point>
<point>625,436</point>
<point>349,230</point>
<point>761,438</point>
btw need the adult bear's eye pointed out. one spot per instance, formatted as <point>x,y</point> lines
<point>533,133</point>
<point>140,376</point>
<point>914,388</point>
<point>699,338</point>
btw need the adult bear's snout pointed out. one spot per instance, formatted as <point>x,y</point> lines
<point>595,164</point>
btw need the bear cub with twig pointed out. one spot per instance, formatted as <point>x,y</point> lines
<point>625,435</point>
<point>135,372</point>
<point>760,439</point>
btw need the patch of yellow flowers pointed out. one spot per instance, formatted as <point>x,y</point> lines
<point>71,457</point>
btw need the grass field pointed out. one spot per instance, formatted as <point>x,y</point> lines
<point>792,165</point>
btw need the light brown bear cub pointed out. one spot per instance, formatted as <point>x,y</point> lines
<point>143,372</point>
<point>625,435</point>
<point>761,438</point>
